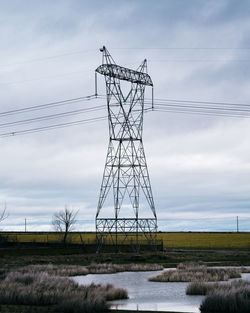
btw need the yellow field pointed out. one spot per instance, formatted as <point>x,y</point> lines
<point>170,240</point>
<point>205,240</point>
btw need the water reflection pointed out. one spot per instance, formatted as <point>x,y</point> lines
<point>145,295</point>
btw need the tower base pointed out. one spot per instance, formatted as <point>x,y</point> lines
<point>126,232</point>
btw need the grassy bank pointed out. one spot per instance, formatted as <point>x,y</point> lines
<point>22,255</point>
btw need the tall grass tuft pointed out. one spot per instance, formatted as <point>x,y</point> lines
<point>200,288</point>
<point>95,305</point>
<point>233,299</point>
<point>40,288</point>
<point>187,272</point>
<point>205,288</point>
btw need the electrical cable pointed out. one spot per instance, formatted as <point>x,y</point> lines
<point>221,109</point>
<point>50,127</point>
<point>200,113</point>
<point>194,107</point>
<point>49,57</point>
<point>49,105</point>
<point>52,116</point>
<point>199,102</point>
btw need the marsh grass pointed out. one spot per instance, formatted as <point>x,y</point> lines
<point>200,288</point>
<point>40,288</point>
<point>187,272</point>
<point>245,270</point>
<point>206,288</point>
<point>55,270</point>
<point>107,268</point>
<point>76,270</point>
<point>233,297</point>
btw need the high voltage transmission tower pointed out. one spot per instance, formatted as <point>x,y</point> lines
<point>125,187</point>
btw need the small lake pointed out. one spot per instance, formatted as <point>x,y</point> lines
<point>146,295</point>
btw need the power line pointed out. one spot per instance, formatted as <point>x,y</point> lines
<point>214,108</point>
<point>200,113</point>
<point>200,60</point>
<point>203,102</point>
<point>50,127</point>
<point>194,107</point>
<point>60,55</point>
<point>182,48</point>
<point>41,78</point>
<point>53,116</point>
<point>211,108</point>
<point>49,57</point>
<point>50,105</point>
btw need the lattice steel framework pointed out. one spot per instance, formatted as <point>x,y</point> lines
<point>125,174</point>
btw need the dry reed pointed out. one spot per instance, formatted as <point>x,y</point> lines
<point>187,272</point>
<point>228,298</point>
<point>107,268</point>
<point>55,270</point>
<point>205,288</point>
<point>75,270</point>
<point>40,288</point>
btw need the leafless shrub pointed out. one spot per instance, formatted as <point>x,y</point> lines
<point>3,215</point>
<point>197,272</point>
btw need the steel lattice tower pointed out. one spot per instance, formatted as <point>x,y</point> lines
<point>125,175</point>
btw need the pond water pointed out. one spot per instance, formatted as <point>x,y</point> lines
<point>146,295</point>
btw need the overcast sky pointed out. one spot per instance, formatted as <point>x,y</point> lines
<point>196,49</point>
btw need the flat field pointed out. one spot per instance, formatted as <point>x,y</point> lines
<point>205,239</point>
<point>169,239</point>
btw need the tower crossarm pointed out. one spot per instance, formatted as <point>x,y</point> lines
<point>123,73</point>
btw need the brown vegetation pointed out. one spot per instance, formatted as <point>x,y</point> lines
<point>206,288</point>
<point>56,270</point>
<point>200,288</point>
<point>186,272</point>
<point>227,298</point>
<point>75,270</point>
<point>40,288</point>
<point>114,268</point>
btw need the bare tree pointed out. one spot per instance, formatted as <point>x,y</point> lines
<point>63,221</point>
<point>3,215</point>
